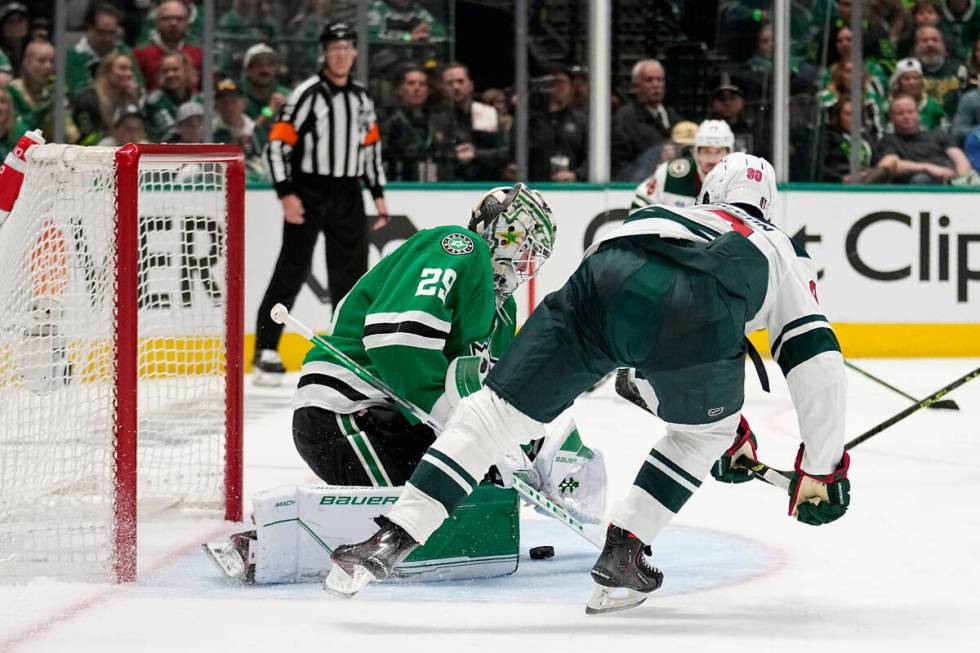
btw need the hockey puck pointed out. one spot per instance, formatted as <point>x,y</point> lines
<point>542,552</point>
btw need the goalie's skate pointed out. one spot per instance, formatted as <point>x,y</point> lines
<point>623,577</point>
<point>233,556</point>
<point>356,565</point>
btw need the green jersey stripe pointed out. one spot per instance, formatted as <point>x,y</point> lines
<point>434,482</point>
<point>801,348</point>
<point>662,487</point>
<point>368,462</point>
<point>798,322</point>
<point>453,465</point>
<point>658,460</point>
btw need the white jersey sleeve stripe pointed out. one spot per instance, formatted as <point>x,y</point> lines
<point>404,339</point>
<point>421,317</point>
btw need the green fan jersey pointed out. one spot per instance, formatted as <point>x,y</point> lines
<point>426,303</point>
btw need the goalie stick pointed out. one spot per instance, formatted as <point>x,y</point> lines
<point>280,315</point>
<point>781,478</point>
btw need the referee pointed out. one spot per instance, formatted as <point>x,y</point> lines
<point>325,141</point>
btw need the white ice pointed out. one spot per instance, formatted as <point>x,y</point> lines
<point>900,572</point>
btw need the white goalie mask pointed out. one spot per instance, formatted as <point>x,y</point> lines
<point>741,178</point>
<point>518,226</point>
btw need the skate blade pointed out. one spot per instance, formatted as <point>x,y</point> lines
<point>226,558</point>
<point>344,585</point>
<point>603,600</point>
<point>266,379</point>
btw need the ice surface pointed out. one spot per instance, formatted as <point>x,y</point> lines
<point>898,573</point>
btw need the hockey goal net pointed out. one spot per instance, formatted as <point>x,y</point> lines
<point>120,351</point>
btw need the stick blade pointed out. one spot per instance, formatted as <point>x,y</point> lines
<point>945,404</point>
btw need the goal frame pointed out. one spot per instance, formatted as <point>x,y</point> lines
<point>125,436</point>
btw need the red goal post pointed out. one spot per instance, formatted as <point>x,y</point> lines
<point>121,346</point>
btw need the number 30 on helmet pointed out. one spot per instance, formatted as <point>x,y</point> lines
<point>741,178</point>
<point>519,228</point>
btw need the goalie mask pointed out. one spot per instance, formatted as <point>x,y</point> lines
<point>743,179</point>
<point>518,226</point>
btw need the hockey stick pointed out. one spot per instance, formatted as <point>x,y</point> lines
<point>280,315</point>
<point>781,478</point>
<point>948,404</point>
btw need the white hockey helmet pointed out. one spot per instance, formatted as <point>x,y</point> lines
<point>519,228</point>
<point>714,133</point>
<point>741,178</point>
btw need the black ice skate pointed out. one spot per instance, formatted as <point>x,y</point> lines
<point>234,556</point>
<point>267,368</point>
<point>356,565</point>
<point>622,565</point>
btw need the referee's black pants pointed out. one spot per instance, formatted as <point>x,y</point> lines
<point>335,207</point>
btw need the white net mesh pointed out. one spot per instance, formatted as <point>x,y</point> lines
<point>58,357</point>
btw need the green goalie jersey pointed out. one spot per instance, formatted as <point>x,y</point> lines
<point>426,303</point>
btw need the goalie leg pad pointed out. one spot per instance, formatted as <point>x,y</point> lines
<point>298,528</point>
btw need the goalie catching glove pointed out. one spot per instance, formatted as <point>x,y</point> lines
<point>725,468</point>
<point>817,500</point>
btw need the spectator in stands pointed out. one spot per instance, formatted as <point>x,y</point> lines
<point>416,135</point>
<point>836,165</point>
<point>479,148</point>
<point>915,156</point>
<point>497,98</point>
<point>924,13</point>
<point>728,103</point>
<point>248,21</point>
<point>14,28</point>
<point>101,39</point>
<point>969,72</point>
<point>580,88</point>
<point>264,95</point>
<point>189,126</point>
<point>876,74</point>
<point>175,81</point>
<point>938,70</point>
<point>642,123</point>
<point>231,125</point>
<point>908,79</point>
<point>961,20</point>
<point>967,116</point>
<point>558,136</point>
<point>972,148</point>
<point>114,88</point>
<point>195,22</point>
<point>11,129</point>
<point>401,22</point>
<point>840,85</point>
<point>33,92</point>
<point>127,127</point>
<point>172,17</point>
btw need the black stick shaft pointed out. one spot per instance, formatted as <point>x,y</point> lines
<point>947,404</point>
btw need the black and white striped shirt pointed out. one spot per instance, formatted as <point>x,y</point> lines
<point>327,130</point>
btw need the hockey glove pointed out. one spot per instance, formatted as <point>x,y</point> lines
<point>725,468</point>
<point>514,464</point>
<point>817,500</point>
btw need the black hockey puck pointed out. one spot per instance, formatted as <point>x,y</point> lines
<point>542,552</point>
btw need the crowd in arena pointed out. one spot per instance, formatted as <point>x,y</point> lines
<point>134,72</point>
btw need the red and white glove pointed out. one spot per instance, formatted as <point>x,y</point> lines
<point>818,500</point>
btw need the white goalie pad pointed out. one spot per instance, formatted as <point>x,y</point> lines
<point>298,527</point>
<point>572,474</point>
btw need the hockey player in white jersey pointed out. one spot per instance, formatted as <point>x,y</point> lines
<point>678,181</point>
<point>672,293</point>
